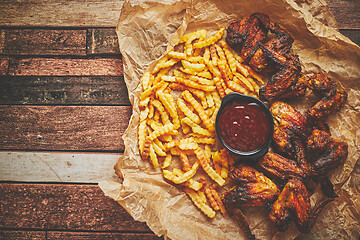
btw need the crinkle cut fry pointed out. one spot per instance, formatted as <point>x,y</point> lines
<point>183,178</point>
<point>187,112</point>
<point>168,103</point>
<point>207,168</point>
<point>197,106</point>
<point>208,211</point>
<point>196,128</point>
<point>211,40</point>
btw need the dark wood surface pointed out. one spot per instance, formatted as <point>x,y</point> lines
<point>62,90</point>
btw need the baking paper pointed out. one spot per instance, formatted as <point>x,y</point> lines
<point>147,30</point>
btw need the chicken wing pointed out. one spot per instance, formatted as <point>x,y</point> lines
<point>279,167</point>
<point>290,132</point>
<point>245,35</point>
<point>327,154</point>
<point>252,188</point>
<point>293,203</point>
<point>332,99</point>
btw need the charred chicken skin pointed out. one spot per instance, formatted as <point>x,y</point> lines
<point>279,167</point>
<point>252,188</point>
<point>290,132</point>
<point>331,152</point>
<point>267,53</point>
<point>304,148</point>
<point>293,203</point>
<point>245,35</point>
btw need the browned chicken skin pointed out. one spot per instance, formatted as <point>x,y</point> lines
<point>304,142</point>
<point>332,100</point>
<point>290,132</point>
<point>266,52</point>
<point>245,35</point>
<point>252,188</point>
<point>330,153</point>
<point>279,167</point>
<point>293,203</point>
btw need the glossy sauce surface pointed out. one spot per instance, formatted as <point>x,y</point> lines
<point>243,126</point>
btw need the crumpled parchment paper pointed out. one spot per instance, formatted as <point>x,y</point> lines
<point>146,31</point>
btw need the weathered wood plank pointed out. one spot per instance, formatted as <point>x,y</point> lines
<point>346,13</point>
<point>21,235</point>
<point>4,65</point>
<point>72,128</point>
<point>102,41</point>
<point>62,207</point>
<point>43,42</point>
<point>95,13</point>
<point>94,235</point>
<point>65,67</point>
<point>71,13</point>
<point>73,42</point>
<point>63,90</point>
<point>56,167</point>
<point>352,34</point>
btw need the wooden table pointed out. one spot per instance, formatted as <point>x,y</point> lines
<point>64,108</point>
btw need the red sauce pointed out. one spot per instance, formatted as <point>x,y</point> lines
<point>243,126</point>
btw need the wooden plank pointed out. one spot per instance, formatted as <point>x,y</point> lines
<point>21,235</point>
<point>346,13</point>
<point>65,67</point>
<point>352,34</point>
<point>95,235</point>
<point>105,13</point>
<point>71,128</point>
<point>57,167</point>
<point>43,42</point>
<point>71,13</point>
<point>107,90</point>
<point>102,41</point>
<point>63,207</point>
<point>4,65</point>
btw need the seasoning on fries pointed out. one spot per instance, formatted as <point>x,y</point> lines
<point>179,102</point>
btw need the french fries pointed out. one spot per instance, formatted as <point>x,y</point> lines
<point>179,100</point>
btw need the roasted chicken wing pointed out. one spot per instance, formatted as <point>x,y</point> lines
<point>290,132</point>
<point>270,53</point>
<point>332,99</point>
<point>245,35</point>
<point>329,152</point>
<point>293,203</point>
<point>279,167</point>
<point>252,188</point>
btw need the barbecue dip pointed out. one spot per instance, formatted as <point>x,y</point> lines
<point>243,125</point>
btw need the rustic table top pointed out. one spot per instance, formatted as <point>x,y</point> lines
<point>63,110</point>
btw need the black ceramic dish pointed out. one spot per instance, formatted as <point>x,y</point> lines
<point>257,153</point>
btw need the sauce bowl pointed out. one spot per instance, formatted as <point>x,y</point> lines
<point>244,126</point>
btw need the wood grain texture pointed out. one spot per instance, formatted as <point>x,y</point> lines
<point>21,235</point>
<point>70,128</point>
<point>4,65</point>
<point>62,207</point>
<point>56,235</point>
<point>96,13</point>
<point>102,90</point>
<point>92,236</point>
<point>92,13</point>
<point>65,67</point>
<point>352,34</point>
<point>43,42</point>
<point>57,167</point>
<point>346,13</point>
<point>102,41</point>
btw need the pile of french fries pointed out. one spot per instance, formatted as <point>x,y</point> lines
<point>179,102</point>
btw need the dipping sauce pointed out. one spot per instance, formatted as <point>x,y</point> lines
<point>243,125</point>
